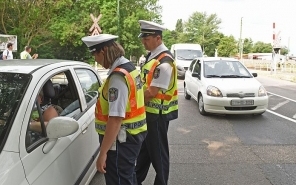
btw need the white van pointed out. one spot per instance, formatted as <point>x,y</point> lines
<point>184,53</point>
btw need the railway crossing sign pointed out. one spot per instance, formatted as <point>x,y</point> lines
<point>95,28</point>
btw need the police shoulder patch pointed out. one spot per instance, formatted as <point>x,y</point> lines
<point>156,73</point>
<point>113,94</point>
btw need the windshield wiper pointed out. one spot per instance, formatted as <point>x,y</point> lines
<point>213,76</point>
<point>234,76</point>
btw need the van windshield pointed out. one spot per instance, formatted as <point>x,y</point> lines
<point>188,54</point>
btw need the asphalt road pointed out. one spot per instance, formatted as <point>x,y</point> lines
<point>234,150</point>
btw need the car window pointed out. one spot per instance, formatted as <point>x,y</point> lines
<point>36,132</point>
<point>57,97</point>
<point>197,68</point>
<point>12,89</point>
<point>188,54</point>
<point>224,67</point>
<point>89,83</point>
<point>66,99</point>
<point>191,65</point>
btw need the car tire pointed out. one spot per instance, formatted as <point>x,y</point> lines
<point>186,95</point>
<point>201,107</point>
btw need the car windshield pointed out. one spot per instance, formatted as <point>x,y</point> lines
<point>225,69</point>
<point>188,54</point>
<point>12,88</point>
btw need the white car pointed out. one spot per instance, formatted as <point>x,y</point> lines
<point>224,86</point>
<point>64,151</point>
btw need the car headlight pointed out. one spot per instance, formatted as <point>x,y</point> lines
<point>214,91</point>
<point>262,91</point>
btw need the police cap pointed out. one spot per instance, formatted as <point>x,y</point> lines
<point>150,28</point>
<point>97,42</point>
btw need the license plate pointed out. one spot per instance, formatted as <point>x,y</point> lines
<point>241,102</point>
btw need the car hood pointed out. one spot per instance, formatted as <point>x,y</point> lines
<point>234,85</point>
<point>183,63</point>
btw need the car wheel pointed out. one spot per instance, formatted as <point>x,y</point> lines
<point>201,107</point>
<point>186,95</point>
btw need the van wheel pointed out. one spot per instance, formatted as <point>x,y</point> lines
<point>201,107</point>
<point>186,95</point>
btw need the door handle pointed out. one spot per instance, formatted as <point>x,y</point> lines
<point>85,130</point>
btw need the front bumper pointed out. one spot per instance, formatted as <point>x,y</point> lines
<point>221,105</point>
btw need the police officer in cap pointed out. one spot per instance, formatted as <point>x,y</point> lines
<point>120,111</point>
<point>159,76</point>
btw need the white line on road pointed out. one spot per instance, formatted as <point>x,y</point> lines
<point>294,117</point>
<point>282,97</point>
<point>279,115</point>
<point>280,104</point>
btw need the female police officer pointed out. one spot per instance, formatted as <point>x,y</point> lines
<point>120,111</point>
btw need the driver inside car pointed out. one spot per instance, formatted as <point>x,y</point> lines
<point>48,112</point>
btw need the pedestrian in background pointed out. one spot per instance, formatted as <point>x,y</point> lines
<point>7,54</point>
<point>26,53</point>
<point>159,76</point>
<point>142,60</point>
<point>120,111</point>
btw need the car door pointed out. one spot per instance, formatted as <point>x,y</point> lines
<point>66,161</point>
<point>89,82</point>
<point>188,77</point>
<point>196,79</point>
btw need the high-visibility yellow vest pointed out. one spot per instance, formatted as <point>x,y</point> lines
<point>135,117</point>
<point>164,103</point>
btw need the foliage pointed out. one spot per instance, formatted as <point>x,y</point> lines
<point>179,26</point>
<point>227,46</point>
<point>248,45</point>
<point>54,28</point>
<point>261,47</point>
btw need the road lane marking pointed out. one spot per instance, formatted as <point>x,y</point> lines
<point>280,104</point>
<point>282,97</point>
<point>282,116</point>
<point>294,117</point>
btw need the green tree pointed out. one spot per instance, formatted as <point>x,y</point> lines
<point>284,50</point>
<point>179,26</point>
<point>227,46</point>
<point>248,45</point>
<point>169,38</point>
<point>261,47</point>
<point>201,28</point>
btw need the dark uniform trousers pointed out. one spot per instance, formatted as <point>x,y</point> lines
<point>155,150</point>
<point>120,163</point>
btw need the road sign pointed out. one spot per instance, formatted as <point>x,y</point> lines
<point>95,28</point>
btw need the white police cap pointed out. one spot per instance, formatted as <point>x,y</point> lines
<point>150,28</point>
<point>92,41</point>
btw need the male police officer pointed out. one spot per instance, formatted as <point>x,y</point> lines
<point>159,76</point>
<point>120,111</point>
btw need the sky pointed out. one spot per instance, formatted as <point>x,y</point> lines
<point>257,17</point>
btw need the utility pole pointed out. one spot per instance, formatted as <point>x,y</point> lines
<point>240,40</point>
<point>118,21</point>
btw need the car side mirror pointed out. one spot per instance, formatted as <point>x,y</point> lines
<point>194,74</point>
<point>59,127</point>
<point>255,74</point>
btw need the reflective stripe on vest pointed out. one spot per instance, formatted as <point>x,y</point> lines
<point>135,116</point>
<point>133,125</point>
<point>132,99</point>
<point>164,103</point>
<point>150,77</point>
